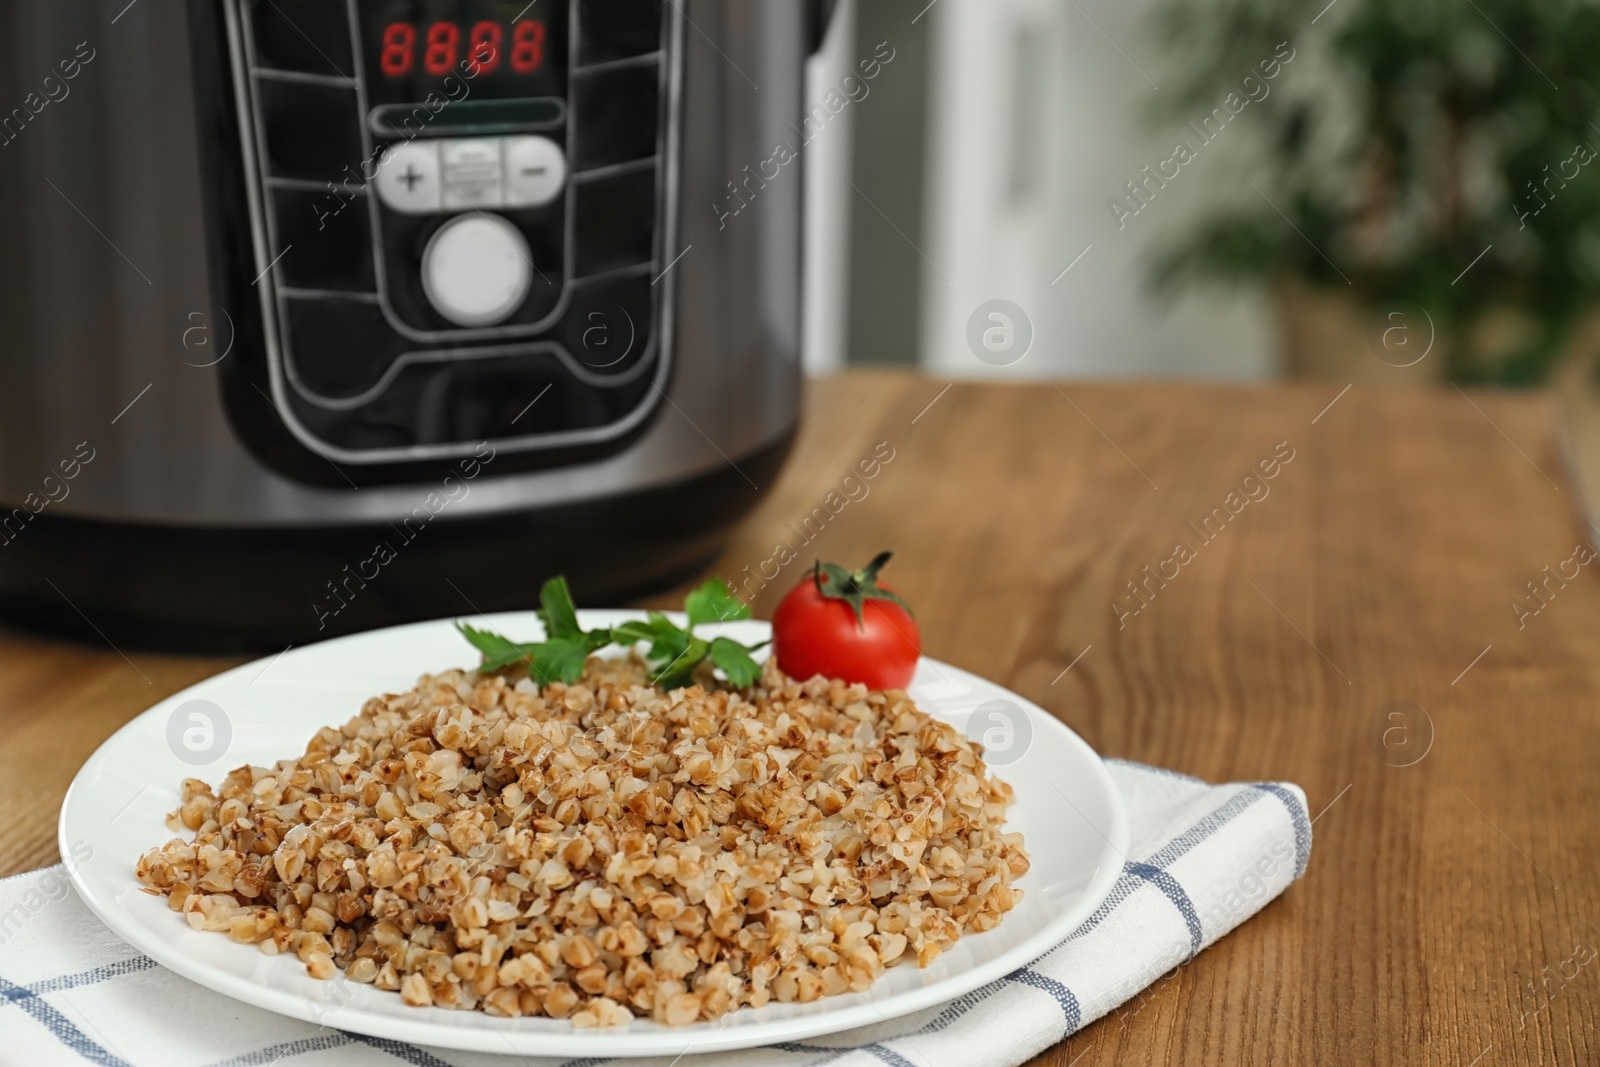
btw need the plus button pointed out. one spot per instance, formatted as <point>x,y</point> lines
<point>408,178</point>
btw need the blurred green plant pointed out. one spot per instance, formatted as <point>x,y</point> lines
<point>1410,136</point>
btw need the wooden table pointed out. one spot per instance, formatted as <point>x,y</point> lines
<point>1448,903</point>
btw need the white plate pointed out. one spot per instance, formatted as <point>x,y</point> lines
<point>1071,814</point>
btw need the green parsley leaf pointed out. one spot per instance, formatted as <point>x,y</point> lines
<point>497,651</point>
<point>677,673</point>
<point>736,662</point>
<point>673,652</point>
<point>667,640</point>
<point>714,602</point>
<point>560,659</point>
<point>557,611</point>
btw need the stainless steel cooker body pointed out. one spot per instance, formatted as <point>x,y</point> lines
<point>211,437</point>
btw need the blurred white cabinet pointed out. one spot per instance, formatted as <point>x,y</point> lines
<point>1038,112</point>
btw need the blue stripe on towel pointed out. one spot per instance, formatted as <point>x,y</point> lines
<point>1302,823</point>
<point>337,1039</point>
<point>828,1054</point>
<point>956,1009</point>
<point>273,1053</point>
<point>400,1050</point>
<point>1153,869</point>
<point>1179,897</point>
<point>1120,891</point>
<point>1064,996</point>
<point>1175,849</point>
<point>888,1055</point>
<point>59,1025</point>
<point>93,977</point>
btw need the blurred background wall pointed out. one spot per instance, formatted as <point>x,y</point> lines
<point>979,166</point>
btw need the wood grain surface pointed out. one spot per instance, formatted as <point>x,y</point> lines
<point>1449,915</point>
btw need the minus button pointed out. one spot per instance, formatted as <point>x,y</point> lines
<point>536,171</point>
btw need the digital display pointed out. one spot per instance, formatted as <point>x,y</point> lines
<point>442,49</point>
<point>489,49</point>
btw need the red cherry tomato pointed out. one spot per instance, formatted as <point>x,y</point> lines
<point>843,624</point>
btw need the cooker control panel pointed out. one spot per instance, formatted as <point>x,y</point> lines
<point>462,212</point>
<point>427,177</point>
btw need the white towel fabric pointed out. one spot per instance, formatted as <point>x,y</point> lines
<point>1202,860</point>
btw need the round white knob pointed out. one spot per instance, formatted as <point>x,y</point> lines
<point>476,269</point>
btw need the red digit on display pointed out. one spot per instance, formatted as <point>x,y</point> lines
<point>399,49</point>
<point>444,39</point>
<point>527,46</point>
<point>487,37</point>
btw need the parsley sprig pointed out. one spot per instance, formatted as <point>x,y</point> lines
<point>673,651</point>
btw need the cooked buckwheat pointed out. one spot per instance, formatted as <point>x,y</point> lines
<point>604,850</point>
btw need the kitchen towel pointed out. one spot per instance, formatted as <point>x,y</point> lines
<point>1202,859</point>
